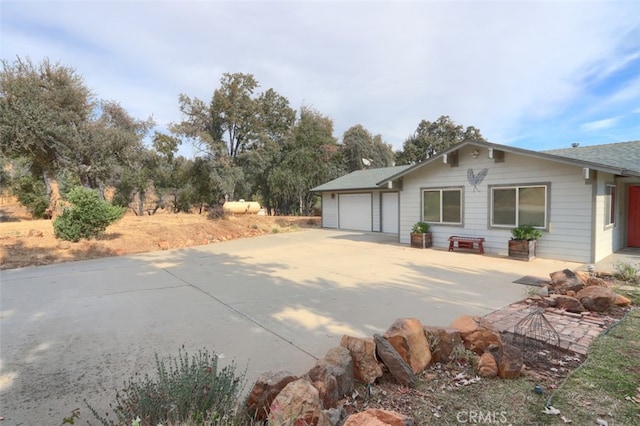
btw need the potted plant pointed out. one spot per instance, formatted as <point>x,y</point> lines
<point>523,242</point>
<point>420,235</point>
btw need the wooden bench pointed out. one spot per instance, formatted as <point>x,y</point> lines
<point>466,243</point>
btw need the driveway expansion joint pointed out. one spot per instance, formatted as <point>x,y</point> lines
<point>242,314</point>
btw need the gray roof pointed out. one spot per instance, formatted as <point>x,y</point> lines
<point>621,158</point>
<point>360,179</point>
<point>617,158</point>
<point>625,155</point>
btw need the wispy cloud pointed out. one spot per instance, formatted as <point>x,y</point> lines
<point>600,124</point>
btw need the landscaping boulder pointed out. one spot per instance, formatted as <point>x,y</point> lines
<point>583,276</point>
<point>476,333</point>
<point>620,300</point>
<point>298,402</point>
<point>335,415</point>
<point>366,368</point>
<point>407,336</point>
<point>398,368</point>
<point>333,376</point>
<point>568,303</point>
<point>509,360</point>
<point>599,282</point>
<point>378,417</point>
<point>595,298</point>
<point>265,390</point>
<point>445,341</point>
<point>565,280</point>
<point>487,365</point>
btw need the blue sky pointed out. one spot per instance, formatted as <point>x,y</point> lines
<point>537,75</point>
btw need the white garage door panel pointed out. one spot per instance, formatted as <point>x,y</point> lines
<point>390,212</point>
<point>354,212</point>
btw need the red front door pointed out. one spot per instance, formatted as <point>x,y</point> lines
<point>633,225</point>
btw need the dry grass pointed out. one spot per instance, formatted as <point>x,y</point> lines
<point>25,242</point>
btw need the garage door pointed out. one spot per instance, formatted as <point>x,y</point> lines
<point>390,212</point>
<point>354,212</point>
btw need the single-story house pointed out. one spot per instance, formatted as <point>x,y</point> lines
<point>585,200</point>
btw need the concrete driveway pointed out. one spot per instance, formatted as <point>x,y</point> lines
<point>78,330</point>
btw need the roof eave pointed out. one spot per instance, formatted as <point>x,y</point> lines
<point>520,151</point>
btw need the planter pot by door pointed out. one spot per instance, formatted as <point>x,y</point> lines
<point>421,240</point>
<point>522,249</point>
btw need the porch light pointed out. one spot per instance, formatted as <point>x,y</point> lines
<point>475,153</point>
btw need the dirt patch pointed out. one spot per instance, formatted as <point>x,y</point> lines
<point>25,242</point>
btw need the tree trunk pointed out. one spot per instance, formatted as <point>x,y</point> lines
<point>47,185</point>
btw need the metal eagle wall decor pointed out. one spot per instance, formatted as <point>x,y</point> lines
<point>474,179</point>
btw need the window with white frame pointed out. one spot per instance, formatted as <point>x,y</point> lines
<point>442,205</point>
<point>610,205</point>
<point>519,205</point>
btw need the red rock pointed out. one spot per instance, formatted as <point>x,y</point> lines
<point>333,376</point>
<point>377,417</point>
<point>298,402</point>
<point>407,336</point>
<point>398,368</point>
<point>568,303</point>
<point>444,343</point>
<point>487,366</point>
<point>595,298</point>
<point>620,300</point>
<point>366,367</point>
<point>476,333</point>
<point>264,391</point>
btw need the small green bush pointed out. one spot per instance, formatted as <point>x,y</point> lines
<point>87,217</point>
<point>420,228</point>
<point>190,390</point>
<point>627,272</point>
<point>526,233</point>
<point>32,194</point>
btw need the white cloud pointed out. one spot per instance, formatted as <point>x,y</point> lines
<point>605,123</point>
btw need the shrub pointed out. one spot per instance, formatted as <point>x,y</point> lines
<point>32,194</point>
<point>526,233</point>
<point>87,217</point>
<point>627,272</point>
<point>420,228</point>
<point>186,389</point>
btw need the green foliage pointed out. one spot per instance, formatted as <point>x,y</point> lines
<point>32,194</point>
<point>88,216</point>
<point>310,158</point>
<point>433,137</point>
<point>526,233</point>
<point>186,388</point>
<point>362,150</point>
<point>627,272</point>
<point>42,109</point>
<point>125,189</point>
<point>420,228</point>
<point>66,182</point>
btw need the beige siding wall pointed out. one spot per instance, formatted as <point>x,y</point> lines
<point>570,205</point>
